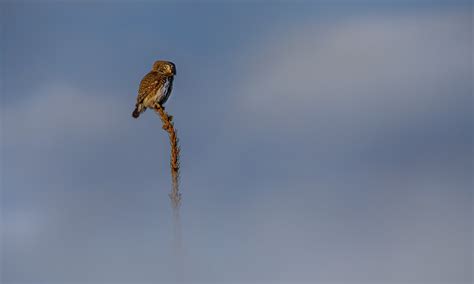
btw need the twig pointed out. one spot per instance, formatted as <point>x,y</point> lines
<point>175,195</point>
<point>168,126</point>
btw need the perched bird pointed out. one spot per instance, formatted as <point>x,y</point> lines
<point>155,87</point>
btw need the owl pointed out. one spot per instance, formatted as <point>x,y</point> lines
<point>155,87</point>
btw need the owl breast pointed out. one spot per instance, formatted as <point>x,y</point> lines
<point>160,96</point>
<point>163,93</point>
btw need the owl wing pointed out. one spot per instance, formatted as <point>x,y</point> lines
<point>148,85</point>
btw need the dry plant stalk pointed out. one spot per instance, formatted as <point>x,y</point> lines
<point>175,195</point>
<point>168,126</point>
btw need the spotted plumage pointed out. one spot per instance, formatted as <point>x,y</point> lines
<point>155,87</point>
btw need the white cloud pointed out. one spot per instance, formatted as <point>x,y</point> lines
<point>360,70</point>
<point>60,111</point>
<point>411,231</point>
<point>22,226</point>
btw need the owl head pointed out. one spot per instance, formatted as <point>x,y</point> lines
<point>165,68</point>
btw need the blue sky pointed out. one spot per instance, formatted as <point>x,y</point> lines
<point>327,143</point>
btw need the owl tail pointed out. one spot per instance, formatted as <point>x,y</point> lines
<point>136,112</point>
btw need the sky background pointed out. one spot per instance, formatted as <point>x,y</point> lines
<point>321,143</point>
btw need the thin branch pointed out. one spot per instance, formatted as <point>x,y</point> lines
<point>168,126</point>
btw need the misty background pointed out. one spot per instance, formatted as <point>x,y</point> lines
<point>321,143</point>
